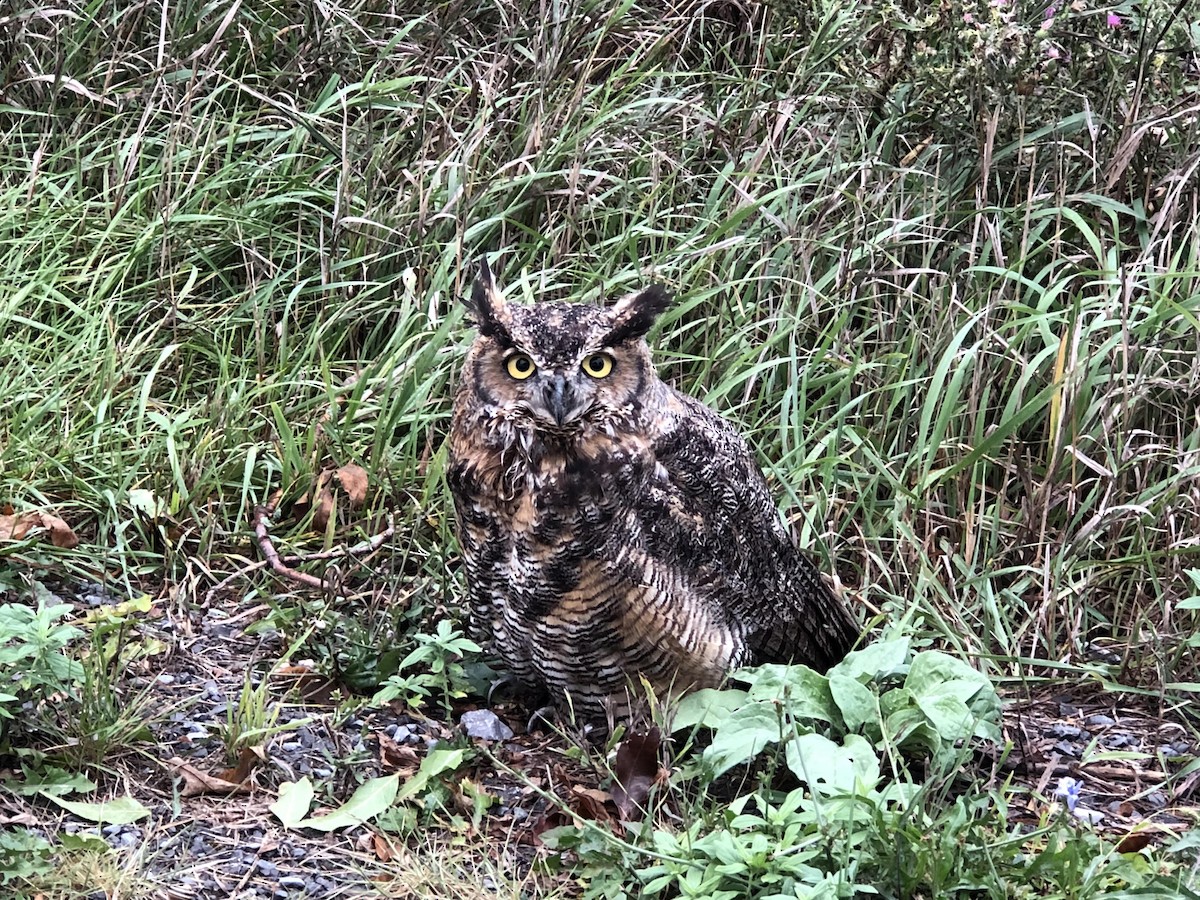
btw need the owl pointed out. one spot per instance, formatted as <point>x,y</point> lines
<point>614,531</point>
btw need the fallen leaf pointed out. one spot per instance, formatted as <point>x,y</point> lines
<point>437,762</point>
<point>248,760</point>
<point>17,528</point>
<point>591,803</point>
<point>20,819</point>
<point>295,798</point>
<point>146,504</point>
<point>372,798</point>
<point>353,480</point>
<point>383,847</point>
<point>549,820</point>
<point>326,505</point>
<point>292,671</point>
<point>14,528</point>
<point>122,811</point>
<point>61,534</point>
<point>636,771</point>
<point>1133,842</point>
<point>196,782</point>
<point>394,757</point>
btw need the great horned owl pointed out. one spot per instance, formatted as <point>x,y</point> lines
<point>612,527</point>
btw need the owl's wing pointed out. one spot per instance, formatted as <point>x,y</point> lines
<point>711,511</point>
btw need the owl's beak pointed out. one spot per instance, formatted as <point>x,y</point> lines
<point>558,399</point>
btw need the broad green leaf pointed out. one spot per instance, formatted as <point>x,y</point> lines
<point>874,661</point>
<point>122,811</point>
<point>833,768</point>
<point>805,693</point>
<point>1189,841</point>
<point>707,707</point>
<point>436,763</point>
<point>51,780</point>
<point>935,675</point>
<point>949,716</point>
<point>371,798</point>
<point>295,799</point>
<point>743,736</point>
<point>856,702</point>
<point>85,842</point>
<point>909,729</point>
<point>894,700</point>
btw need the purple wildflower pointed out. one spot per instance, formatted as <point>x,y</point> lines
<point>1068,789</point>
<point>1114,21</point>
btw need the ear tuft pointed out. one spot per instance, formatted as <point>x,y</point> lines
<point>487,307</point>
<point>633,315</point>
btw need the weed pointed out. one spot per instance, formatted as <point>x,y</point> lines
<point>253,719</point>
<point>33,657</point>
<point>441,672</point>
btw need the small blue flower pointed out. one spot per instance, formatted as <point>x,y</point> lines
<point>1068,789</point>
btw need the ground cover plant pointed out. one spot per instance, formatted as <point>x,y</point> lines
<point>942,265</point>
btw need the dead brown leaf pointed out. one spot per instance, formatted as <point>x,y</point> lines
<point>196,782</point>
<point>326,505</point>
<point>394,757</point>
<point>382,846</point>
<point>315,688</point>
<point>61,534</point>
<point>17,527</point>
<point>20,819</point>
<point>353,480</point>
<point>636,771</point>
<point>592,803</point>
<point>248,760</point>
<point>552,818</point>
<point>1134,841</point>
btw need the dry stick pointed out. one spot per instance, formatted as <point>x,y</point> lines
<point>261,515</point>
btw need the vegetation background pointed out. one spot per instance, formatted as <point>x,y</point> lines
<point>941,263</point>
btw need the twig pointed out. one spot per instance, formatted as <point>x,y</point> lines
<point>262,515</point>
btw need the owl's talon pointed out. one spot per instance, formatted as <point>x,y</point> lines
<point>547,715</point>
<point>504,682</point>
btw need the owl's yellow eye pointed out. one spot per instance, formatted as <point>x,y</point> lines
<point>519,366</point>
<point>598,365</point>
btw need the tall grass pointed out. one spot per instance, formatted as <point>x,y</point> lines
<point>964,339</point>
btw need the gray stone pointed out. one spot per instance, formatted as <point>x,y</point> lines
<point>267,869</point>
<point>1063,730</point>
<point>485,725</point>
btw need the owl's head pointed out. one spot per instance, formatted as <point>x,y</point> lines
<point>561,366</point>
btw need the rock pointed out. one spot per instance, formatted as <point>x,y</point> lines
<point>1117,740</point>
<point>485,725</point>
<point>1099,720</point>
<point>292,883</point>
<point>1063,730</point>
<point>267,869</point>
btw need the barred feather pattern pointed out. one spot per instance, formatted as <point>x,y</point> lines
<point>635,541</point>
